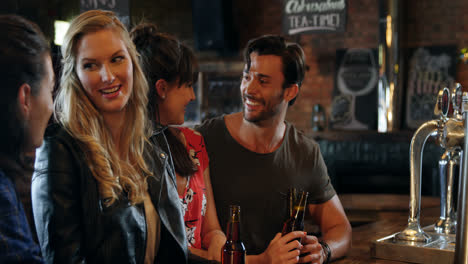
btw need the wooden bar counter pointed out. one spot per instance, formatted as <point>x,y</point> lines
<point>375,216</point>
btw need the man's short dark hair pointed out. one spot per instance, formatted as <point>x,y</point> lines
<point>291,55</point>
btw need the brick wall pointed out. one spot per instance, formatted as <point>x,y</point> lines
<point>427,22</point>
<point>171,16</point>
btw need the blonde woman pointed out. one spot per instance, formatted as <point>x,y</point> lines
<point>95,198</point>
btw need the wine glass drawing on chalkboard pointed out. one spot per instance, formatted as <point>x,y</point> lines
<point>357,75</point>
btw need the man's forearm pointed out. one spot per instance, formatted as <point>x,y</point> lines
<point>338,239</point>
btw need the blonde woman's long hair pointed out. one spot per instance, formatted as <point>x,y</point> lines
<point>115,175</point>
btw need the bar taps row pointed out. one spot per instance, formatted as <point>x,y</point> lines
<point>448,131</point>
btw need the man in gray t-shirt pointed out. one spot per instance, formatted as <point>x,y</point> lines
<point>255,156</point>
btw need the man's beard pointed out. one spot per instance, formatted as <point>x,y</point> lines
<point>270,110</point>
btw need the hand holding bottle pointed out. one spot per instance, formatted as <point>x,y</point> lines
<point>311,251</point>
<point>284,249</point>
<point>296,211</point>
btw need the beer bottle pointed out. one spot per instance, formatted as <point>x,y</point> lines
<point>233,251</point>
<point>296,221</point>
<point>292,194</point>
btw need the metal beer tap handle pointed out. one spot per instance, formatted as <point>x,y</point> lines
<point>451,136</point>
<point>444,159</point>
<point>457,101</point>
<point>441,109</point>
<point>449,168</point>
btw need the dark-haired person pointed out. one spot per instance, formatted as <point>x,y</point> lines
<point>255,155</point>
<point>25,108</point>
<point>171,70</point>
<point>97,197</point>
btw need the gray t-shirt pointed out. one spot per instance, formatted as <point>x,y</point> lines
<point>259,182</point>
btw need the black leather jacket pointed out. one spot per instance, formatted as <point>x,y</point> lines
<point>74,227</point>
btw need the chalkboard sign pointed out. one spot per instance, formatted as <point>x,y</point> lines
<point>430,70</point>
<point>354,105</point>
<point>120,7</point>
<point>308,16</point>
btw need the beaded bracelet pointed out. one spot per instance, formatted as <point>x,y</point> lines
<point>327,251</point>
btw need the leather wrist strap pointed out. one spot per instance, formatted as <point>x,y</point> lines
<point>327,251</point>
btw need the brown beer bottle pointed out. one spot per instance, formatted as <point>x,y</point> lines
<point>233,251</point>
<point>296,220</point>
<point>292,194</point>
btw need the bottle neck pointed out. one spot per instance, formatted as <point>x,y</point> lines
<point>292,193</point>
<point>299,212</point>
<point>301,206</point>
<point>233,231</point>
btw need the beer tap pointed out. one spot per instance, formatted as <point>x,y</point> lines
<point>450,137</point>
<point>414,231</point>
<point>447,130</point>
<point>437,243</point>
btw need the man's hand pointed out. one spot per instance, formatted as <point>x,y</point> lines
<point>284,249</point>
<point>312,251</point>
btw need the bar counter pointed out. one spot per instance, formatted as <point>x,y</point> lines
<point>375,216</point>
